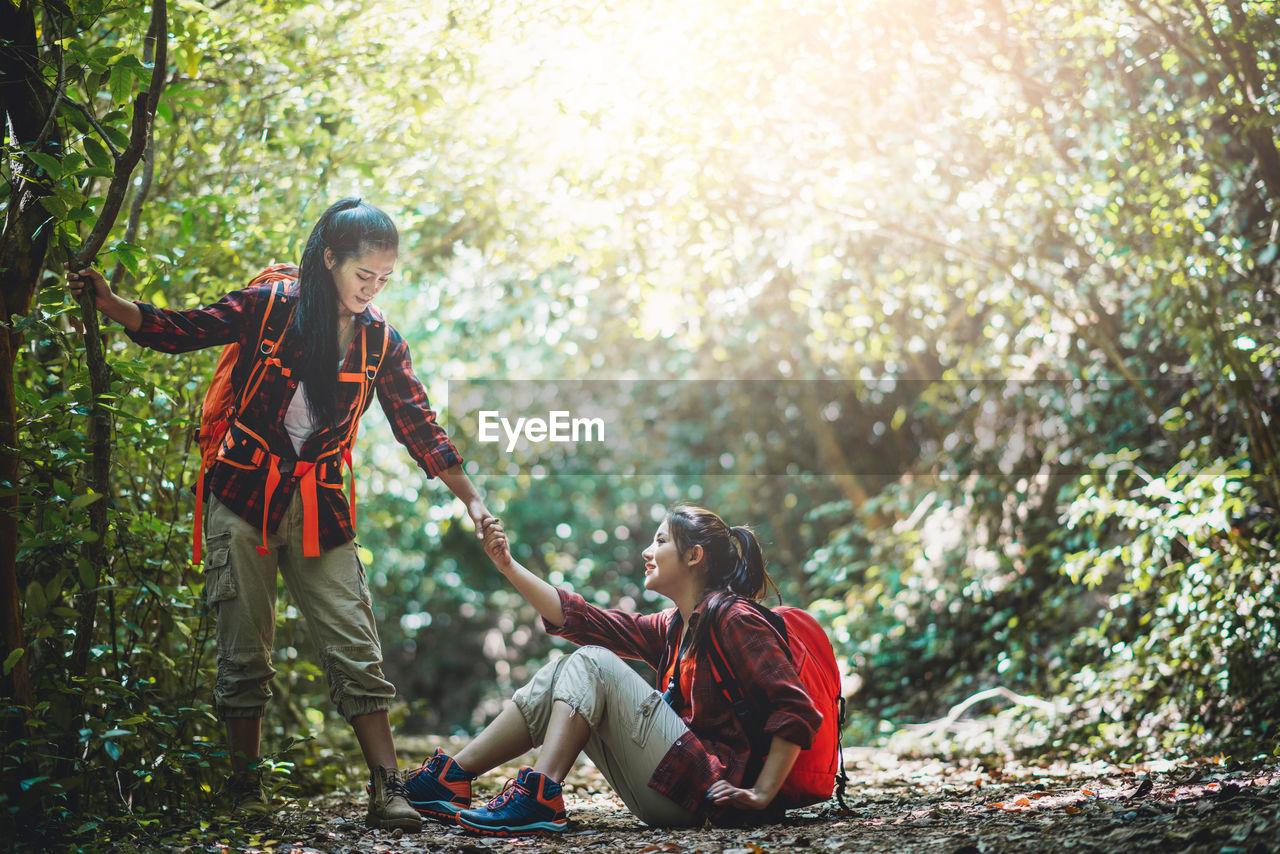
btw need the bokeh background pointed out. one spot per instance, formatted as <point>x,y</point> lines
<point>969,308</point>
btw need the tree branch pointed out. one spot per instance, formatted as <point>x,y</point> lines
<point>59,91</point>
<point>144,110</point>
<point>148,167</point>
<point>115,153</point>
<point>99,430</point>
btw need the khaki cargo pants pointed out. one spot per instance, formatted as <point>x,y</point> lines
<point>631,727</point>
<point>331,592</point>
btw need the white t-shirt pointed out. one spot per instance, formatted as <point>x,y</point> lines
<point>298,422</point>
<point>297,419</point>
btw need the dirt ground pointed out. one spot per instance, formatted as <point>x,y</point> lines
<point>896,804</point>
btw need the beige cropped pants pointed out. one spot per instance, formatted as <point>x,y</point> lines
<point>332,593</point>
<point>631,727</point>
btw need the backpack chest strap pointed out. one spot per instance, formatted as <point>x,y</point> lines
<point>305,474</point>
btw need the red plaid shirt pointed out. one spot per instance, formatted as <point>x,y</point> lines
<point>240,484</point>
<point>717,746</point>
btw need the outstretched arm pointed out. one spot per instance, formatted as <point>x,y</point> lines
<point>544,597</point>
<point>119,309</point>
<point>458,482</point>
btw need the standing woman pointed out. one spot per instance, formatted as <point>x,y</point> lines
<point>275,491</point>
<point>676,758</point>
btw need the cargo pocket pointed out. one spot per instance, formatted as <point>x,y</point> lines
<point>219,580</point>
<point>645,716</point>
<point>362,577</point>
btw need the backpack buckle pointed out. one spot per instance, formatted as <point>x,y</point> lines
<point>370,374</point>
<point>266,348</point>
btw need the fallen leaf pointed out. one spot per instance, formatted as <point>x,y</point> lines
<point>1144,789</point>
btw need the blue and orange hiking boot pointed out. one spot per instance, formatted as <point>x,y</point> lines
<point>439,788</point>
<point>532,803</point>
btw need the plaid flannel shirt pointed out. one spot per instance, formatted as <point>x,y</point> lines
<point>717,746</point>
<point>239,484</point>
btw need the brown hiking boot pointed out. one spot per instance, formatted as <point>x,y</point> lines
<point>389,805</point>
<point>244,791</point>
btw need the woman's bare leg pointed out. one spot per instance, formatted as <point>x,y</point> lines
<point>567,734</point>
<point>373,731</point>
<point>244,742</point>
<point>501,741</point>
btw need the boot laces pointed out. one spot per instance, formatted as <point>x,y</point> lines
<point>433,766</point>
<point>394,786</point>
<point>509,790</point>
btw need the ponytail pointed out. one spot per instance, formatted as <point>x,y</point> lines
<point>348,228</point>
<point>735,563</point>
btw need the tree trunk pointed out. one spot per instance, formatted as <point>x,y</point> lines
<point>29,105</point>
<point>27,100</point>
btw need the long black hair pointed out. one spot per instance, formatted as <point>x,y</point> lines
<point>735,564</point>
<point>348,228</point>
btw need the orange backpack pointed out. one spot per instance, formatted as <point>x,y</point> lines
<point>223,403</point>
<point>818,769</point>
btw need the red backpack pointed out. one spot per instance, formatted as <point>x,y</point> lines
<point>819,769</point>
<point>228,393</point>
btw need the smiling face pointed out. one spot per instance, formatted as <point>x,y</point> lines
<point>666,571</point>
<point>359,278</point>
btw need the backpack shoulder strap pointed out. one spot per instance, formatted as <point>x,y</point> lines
<point>725,679</point>
<point>275,321</point>
<point>375,351</point>
<point>774,619</point>
<point>374,347</point>
<point>280,308</point>
<point>728,684</point>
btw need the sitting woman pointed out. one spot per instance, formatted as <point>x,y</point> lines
<point>675,758</point>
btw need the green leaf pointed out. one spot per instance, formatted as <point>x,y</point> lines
<point>11,660</point>
<point>112,749</point>
<point>98,154</point>
<point>121,84</point>
<point>55,206</point>
<point>129,255</point>
<point>85,500</point>
<point>117,137</point>
<point>129,62</point>
<point>50,164</point>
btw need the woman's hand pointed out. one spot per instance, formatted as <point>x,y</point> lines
<point>92,281</point>
<point>544,598</point>
<point>117,308</point>
<point>723,794</point>
<point>782,755</point>
<point>496,545</point>
<point>480,516</point>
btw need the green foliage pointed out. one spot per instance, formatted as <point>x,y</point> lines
<point>1184,652</point>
